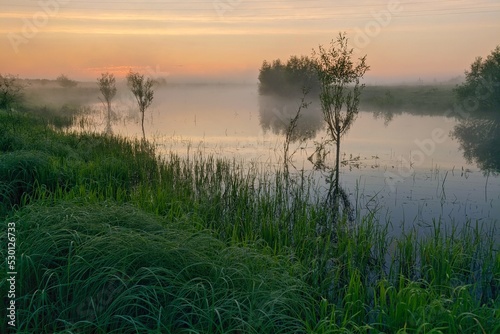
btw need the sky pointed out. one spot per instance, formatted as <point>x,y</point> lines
<point>227,40</point>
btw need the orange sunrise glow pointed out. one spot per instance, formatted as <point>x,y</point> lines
<point>216,38</point>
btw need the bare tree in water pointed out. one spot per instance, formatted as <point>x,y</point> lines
<point>107,86</point>
<point>143,92</point>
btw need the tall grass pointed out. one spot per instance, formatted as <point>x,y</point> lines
<point>114,238</point>
<point>111,268</point>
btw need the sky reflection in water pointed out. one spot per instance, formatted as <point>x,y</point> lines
<point>412,169</point>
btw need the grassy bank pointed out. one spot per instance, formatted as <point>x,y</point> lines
<point>418,99</point>
<point>113,238</point>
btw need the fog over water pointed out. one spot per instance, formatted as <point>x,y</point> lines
<point>417,169</point>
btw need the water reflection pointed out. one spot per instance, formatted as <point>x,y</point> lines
<point>479,139</point>
<point>275,113</point>
<point>228,122</point>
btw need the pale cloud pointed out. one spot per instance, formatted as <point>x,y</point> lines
<point>239,35</point>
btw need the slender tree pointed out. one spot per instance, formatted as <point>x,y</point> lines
<point>107,86</point>
<point>143,91</point>
<point>340,91</point>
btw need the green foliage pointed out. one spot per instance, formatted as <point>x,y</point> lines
<point>479,139</point>
<point>61,117</point>
<point>481,89</point>
<point>37,160</point>
<point>107,86</point>
<point>339,96</point>
<point>11,91</point>
<point>389,101</point>
<point>111,268</point>
<point>112,238</point>
<point>337,73</point>
<point>66,82</point>
<point>143,93</point>
<point>21,172</point>
<point>290,79</point>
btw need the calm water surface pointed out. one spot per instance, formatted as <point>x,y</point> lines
<point>409,170</point>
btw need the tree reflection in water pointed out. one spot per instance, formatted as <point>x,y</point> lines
<point>479,139</point>
<point>478,136</point>
<point>275,113</point>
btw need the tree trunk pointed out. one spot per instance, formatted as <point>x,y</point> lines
<point>142,124</point>
<point>336,190</point>
<point>337,165</point>
<point>108,121</point>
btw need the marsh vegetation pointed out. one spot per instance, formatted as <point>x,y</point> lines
<point>114,238</point>
<point>119,234</point>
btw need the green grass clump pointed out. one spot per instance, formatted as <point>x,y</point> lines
<point>38,162</point>
<point>112,268</point>
<point>20,171</point>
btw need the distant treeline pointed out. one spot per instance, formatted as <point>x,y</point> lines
<point>388,101</point>
<point>479,93</point>
<point>290,78</point>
